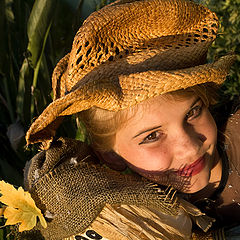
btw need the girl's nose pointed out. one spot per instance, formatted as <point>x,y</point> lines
<point>187,143</point>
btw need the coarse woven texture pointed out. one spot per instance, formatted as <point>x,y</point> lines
<point>128,52</point>
<point>71,189</point>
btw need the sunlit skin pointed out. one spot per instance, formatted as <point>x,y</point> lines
<point>167,134</point>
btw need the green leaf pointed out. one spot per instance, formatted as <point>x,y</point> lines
<point>24,92</point>
<point>38,26</point>
<point>36,70</point>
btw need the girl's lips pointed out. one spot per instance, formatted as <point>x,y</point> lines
<point>192,169</point>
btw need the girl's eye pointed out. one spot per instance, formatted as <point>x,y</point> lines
<point>152,137</point>
<point>194,112</point>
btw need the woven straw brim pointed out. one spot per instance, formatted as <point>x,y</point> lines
<point>130,51</point>
<point>117,92</point>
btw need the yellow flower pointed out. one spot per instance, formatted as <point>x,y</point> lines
<point>20,207</point>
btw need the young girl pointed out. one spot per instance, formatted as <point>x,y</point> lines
<point>137,78</point>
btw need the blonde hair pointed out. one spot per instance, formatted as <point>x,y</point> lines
<point>102,125</point>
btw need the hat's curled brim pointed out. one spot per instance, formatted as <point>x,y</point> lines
<point>123,92</point>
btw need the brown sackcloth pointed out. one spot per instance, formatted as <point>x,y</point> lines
<point>71,189</point>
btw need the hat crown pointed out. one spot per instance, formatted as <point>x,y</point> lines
<point>128,52</point>
<point>174,34</point>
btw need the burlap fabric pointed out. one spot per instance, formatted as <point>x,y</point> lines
<point>71,189</point>
<point>128,52</point>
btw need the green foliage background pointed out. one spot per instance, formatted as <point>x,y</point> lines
<point>228,40</point>
<point>35,35</point>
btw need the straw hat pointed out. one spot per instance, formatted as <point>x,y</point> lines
<point>128,52</point>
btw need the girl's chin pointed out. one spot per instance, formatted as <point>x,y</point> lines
<point>195,189</point>
<point>197,185</point>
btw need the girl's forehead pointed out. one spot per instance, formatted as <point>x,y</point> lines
<point>163,101</point>
<point>158,106</point>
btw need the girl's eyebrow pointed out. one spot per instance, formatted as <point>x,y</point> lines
<point>147,130</point>
<point>198,99</point>
<point>154,128</point>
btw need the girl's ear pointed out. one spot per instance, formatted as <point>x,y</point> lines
<point>112,160</point>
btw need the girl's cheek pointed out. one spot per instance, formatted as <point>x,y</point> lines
<point>212,128</point>
<point>157,158</point>
<point>207,128</point>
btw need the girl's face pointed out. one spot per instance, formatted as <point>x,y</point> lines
<point>170,142</point>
